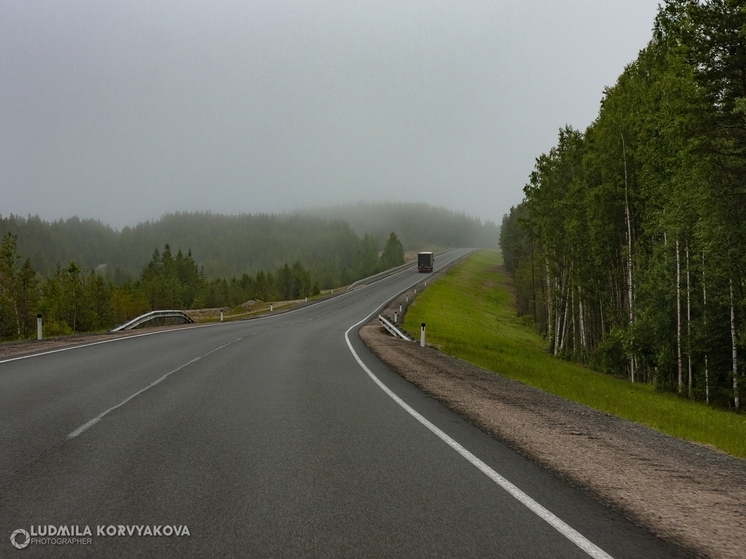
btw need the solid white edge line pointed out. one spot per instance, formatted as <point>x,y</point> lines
<point>570,533</point>
<point>58,350</point>
<point>100,416</point>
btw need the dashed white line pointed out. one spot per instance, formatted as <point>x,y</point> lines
<point>98,418</point>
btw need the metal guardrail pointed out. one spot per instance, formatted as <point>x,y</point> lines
<point>152,315</point>
<point>393,330</point>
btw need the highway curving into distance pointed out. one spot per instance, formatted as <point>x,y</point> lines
<point>274,437</point>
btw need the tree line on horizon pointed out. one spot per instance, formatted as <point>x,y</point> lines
<point>326,241</point>
<point>628,250</point>
<point>72,299</point>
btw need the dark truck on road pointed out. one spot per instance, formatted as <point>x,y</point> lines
<point>425,261</point>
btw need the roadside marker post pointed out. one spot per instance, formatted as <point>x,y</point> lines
<point>271,307</point>
<point>221,315</point>
<point>38,327</point>
<point>422,335</point>
<point>394,317</point>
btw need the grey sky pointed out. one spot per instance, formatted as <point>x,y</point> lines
<point>124,110</point>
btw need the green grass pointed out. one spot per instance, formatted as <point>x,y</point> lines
<point>470,313</point>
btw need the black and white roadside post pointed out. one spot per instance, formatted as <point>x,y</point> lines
<point>271,307</point>
<point>38,327</point>
<point>221,315</point>
<point>422,335</point>
<point>394,317</point>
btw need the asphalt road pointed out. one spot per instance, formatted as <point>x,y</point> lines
<point>267,438</point>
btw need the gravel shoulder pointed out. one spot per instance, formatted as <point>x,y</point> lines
<point>686,493</point>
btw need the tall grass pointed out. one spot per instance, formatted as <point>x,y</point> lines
<point>470,313</point>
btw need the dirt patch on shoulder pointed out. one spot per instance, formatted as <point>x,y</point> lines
<point>686,493</point>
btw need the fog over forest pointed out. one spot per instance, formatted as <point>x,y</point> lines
<point>126,111</point>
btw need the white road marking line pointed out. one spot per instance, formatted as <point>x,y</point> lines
<point>101,342</point>
<point>98,418</point>
<point>570,533</point>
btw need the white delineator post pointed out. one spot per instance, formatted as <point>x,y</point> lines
<point>221,315</point>
<point>306,299</point>
<point>271,307</point>
<point>394,317</point>
<point>38,327</point>
<point>422,335</point>
<point>399,309</point>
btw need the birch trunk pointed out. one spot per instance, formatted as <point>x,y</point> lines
<point>574,322</point>
<point>564,326</point>
<point>557,319</point>
<point>630,291</point>
<point>582,319</point>
<point>549,304</point>
<point>733,346</point>
<point>704,319</point>
<point>678,318</point>
<point>688,322</point>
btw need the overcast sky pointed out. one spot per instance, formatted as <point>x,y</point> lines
<point>124,110</point>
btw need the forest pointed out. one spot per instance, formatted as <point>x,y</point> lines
<point>72,299</point>
<point>82,275</point>
<point>628,248</point>
<point>325,240</point>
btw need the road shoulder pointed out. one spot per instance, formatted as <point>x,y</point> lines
<point>685,493</point>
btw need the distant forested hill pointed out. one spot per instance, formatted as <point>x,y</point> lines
<point>418,226</point>
<point>227,246</point>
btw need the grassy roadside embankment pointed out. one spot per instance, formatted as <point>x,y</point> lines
<point>470,313</point>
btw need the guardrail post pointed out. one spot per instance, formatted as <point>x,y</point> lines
<point>38,327</point>
<point>422,335</point>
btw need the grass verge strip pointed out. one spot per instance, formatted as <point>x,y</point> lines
<point>470,313</point>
